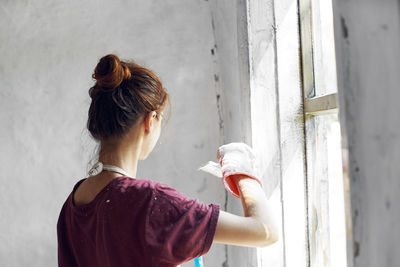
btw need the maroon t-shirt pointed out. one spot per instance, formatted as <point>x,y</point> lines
<point>134,223</point>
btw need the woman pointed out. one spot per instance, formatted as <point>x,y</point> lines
<point>113,219</point>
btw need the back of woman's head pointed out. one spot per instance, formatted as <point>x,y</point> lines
<point>123,92</point>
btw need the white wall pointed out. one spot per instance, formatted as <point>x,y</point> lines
<point>230,31</point>
<point>368,63</point>
<point>49,50</point>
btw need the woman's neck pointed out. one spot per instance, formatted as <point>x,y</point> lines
<point>123,156</point>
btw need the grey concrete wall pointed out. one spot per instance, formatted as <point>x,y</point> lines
<point>49,50</point>
<point>368,64</point>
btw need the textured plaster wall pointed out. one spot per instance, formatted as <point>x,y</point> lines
<point>49,50</point>
<point>244,48</point>
<point>230,31</point>
<point>367,55</point>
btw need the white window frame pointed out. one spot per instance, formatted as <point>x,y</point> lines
<point>282,97</point>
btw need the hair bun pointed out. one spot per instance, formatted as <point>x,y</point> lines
<point>110,72</point>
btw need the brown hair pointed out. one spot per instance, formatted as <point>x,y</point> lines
<point>123,92</point>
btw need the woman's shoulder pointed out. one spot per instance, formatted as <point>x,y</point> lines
<point>126,184</point>
<point>156,194</point>
<point>148,187</point>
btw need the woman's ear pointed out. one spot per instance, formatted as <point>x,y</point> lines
<point>149,120</point>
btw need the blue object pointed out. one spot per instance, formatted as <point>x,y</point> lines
<point>198,262</point>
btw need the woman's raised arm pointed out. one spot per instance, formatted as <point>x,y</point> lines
<point>257,227</point>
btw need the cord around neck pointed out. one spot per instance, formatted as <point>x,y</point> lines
<point>99,167</point>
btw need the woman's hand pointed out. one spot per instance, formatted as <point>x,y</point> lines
<point>236,159</point>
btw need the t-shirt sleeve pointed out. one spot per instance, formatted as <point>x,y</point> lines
<point>178,228</point>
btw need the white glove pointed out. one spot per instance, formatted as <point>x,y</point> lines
<point>236,158</point>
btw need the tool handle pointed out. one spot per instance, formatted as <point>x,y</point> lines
<point>198,262</point>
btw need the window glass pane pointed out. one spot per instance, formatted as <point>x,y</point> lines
<point>326,219</point>
<point>323,48</point>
